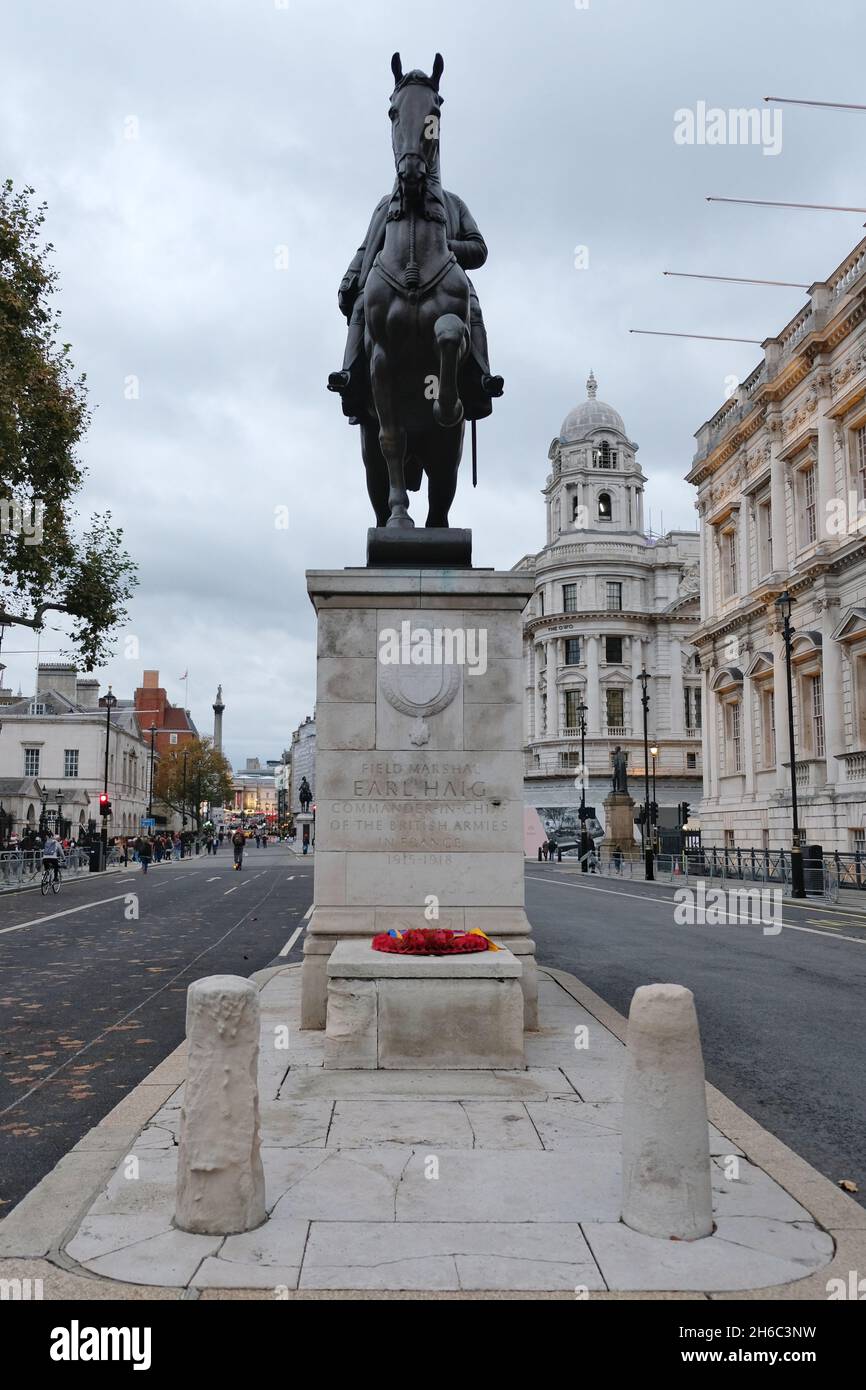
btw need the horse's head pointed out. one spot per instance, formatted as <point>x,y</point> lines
<point>414,113</point>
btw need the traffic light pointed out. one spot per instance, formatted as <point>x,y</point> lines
<point>654,812</point>
<point>104,804</point>
<point>685,811</point>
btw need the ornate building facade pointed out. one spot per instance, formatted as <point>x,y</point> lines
<point>609,601</point>
<point>780,471</point>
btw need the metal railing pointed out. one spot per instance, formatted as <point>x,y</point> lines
<point>20,868</point>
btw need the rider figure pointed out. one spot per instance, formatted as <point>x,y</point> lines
<point>477,385</point>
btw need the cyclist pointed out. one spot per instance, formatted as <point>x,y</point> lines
<point>52,855</point>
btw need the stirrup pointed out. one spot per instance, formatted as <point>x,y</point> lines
<point>492,385</point>
<point>338,381</point>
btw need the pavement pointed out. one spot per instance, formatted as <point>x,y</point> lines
<point>437,1184</point>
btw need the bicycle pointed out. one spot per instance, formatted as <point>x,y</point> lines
<point>50,881</point>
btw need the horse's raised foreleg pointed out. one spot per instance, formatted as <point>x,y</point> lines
<point>392,439</point>
<point>451,340</point>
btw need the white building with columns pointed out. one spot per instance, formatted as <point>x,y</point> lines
<point>610,600</point>
<point>780,472</point>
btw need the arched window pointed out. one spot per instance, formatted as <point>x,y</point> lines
<point>605,511</point>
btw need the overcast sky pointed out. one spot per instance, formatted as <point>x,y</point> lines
<point>261,126</point>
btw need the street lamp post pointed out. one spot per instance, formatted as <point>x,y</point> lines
<point>654,752</point>
<point>150,793</point>
<point>648,849</point>
<point>798,883</point>
<point>110,702</point>
<point>183,801</point>
<point>581,714</point>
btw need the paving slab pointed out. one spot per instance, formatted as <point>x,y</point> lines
<point>448,1255</point>
<point>532,1084</point>
<point>512,1186</point>
<point>500,1124</point>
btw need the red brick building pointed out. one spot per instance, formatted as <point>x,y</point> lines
<point>152,706</point>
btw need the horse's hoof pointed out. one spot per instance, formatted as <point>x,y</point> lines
<point>447,421</point>
<point>400,520</point>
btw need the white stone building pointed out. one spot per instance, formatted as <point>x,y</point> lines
<point>303,759</point>
<point>780,472</point>
<point>610,600</point>
<point>54,742</point>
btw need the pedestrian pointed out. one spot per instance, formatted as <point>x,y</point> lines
<point>551,850</point>
<point>617,860</point>
<point>144,845</point>
<point>264,837</point>
<point>239,839</point>
<point>175,845</point>
<point>593,859</point>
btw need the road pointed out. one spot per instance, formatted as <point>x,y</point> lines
<point>93,985</point>
<point>781,1016</point>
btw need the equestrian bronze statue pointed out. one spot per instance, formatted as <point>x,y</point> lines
<point>416,364</point>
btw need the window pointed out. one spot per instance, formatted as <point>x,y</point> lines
<point>37,707</point>
<point>765,536</point>
<point>858,839</point>
<point>860,460</point>
<point>735,741</point>
<point>572,651</point>
<point>605,510</point>
<point>604,456</point>
<point>817,706</point>
<point>541,603</point>
<point>729,839</point>
<point>731,563</point>
<point>614,596</point>
<point>613,651</point>
<point>172,738</point>
<point>810,514</point>
<point>572,709</point>
<point>691,760</point>
<point>31,762</point>
<point>614,705</point>
<point>70,762</point>
<point>569,598</point>
<point>692,700</point>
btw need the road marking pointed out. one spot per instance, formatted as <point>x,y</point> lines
<point>291,941</point>
<point>291,878</point>
<point>66,913</point>
<point>231,890</point>
<point>309,912</point>
<point>214,879</point>
<point>668,902</point>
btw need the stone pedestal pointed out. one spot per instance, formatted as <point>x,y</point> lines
<point>619,826</point>
<point>302,819</point>
<point>423,1013</point>
<point>419,763</point>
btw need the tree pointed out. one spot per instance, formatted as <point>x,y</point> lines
<point>208,777</point>
<point>47,561</point>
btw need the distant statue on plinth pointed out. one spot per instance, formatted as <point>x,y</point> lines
<point>305,796</point>
<point>619,782</point>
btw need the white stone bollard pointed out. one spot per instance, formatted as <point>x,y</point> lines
<point>220,1179</point>
<point>666,1188</point>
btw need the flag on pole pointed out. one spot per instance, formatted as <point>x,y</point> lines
<point>184,677</point>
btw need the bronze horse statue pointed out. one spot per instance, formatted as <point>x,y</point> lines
<point>416,362</point>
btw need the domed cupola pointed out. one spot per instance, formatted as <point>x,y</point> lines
<point>590,417</point>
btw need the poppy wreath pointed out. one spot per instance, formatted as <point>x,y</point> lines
<point>430,941</point>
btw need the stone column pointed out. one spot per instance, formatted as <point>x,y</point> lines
<point>748,734</point>
<point>743,542</point>
<point>710,741</point>
<point>831,685</point>
<point>536,667</point>
<point>553,723</point>
<point>678,712</point>
<point>220,1180</point>
<point>778,499</point>
<point>593,720</point>
<point>636,713</point>
<point>827,489</point>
